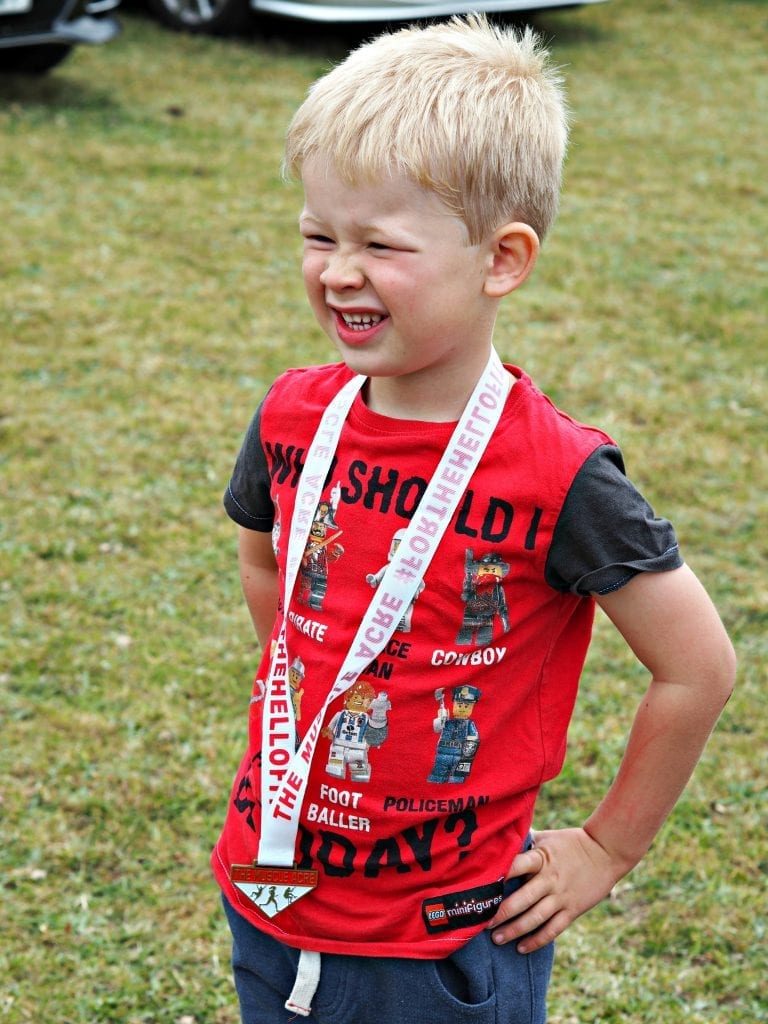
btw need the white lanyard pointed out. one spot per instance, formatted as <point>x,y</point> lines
<point>284,770</point>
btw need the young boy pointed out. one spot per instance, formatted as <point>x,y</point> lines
<point>426,536</point>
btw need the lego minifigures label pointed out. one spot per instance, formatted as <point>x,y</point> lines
<point>456,910</point>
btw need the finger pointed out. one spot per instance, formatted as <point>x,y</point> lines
<point>518,902</point>
<point>537,940</point>
<point>528,920</point>
<point>525,865</point>
<point>529,863</point>
<point>534,929</point>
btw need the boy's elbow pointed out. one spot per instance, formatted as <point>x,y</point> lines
<point>721,674</point>
<point>727,675</point>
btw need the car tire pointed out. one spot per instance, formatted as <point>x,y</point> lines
<point>215,17</point>
<point>33,60</point>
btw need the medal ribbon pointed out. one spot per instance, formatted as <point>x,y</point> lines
<point>284,770</point>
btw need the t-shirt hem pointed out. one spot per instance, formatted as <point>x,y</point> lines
<point>242,516</point>
<point>599,582</point>
<point>430,949</point>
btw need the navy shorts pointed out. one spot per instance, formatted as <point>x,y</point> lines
<point>478,984</point>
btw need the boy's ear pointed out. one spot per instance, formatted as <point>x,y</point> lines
<point>514,249</point>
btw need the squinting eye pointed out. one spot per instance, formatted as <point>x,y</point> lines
<point>379,246</point>
<point>318,239</point>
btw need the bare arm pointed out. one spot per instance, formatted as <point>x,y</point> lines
<point>259,580</point>
<point>671,625</point>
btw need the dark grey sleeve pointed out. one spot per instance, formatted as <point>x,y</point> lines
<point>607,532</point>
<point>247,499</point>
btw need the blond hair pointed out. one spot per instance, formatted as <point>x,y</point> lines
<point>469,110</point>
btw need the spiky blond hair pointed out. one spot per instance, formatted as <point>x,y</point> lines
<point>472,111</point>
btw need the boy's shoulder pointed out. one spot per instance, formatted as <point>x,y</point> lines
<point>323,374</point>
<point>310,385</point>
<point>549,421</point>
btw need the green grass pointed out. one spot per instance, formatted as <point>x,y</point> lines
<point>149,291</point>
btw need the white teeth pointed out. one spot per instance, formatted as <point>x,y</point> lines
<point>361,321</point>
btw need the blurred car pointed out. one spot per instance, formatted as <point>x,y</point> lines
<point>223,16</point>
<point>35,35</point>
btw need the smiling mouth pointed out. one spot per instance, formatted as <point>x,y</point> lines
<point>361,321</point>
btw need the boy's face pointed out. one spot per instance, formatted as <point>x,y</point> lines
<point>395,285</point>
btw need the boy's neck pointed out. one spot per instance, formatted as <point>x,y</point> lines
<point>392,397</point>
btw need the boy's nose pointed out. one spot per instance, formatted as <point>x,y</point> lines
<point>342,272</point>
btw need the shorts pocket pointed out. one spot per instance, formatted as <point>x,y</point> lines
<point>464,984</point>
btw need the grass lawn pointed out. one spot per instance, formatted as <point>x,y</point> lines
<point>149,292</point>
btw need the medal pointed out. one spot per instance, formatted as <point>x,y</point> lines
<point>272,889</point>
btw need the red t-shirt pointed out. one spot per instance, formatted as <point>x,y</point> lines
<point>423,782</point>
